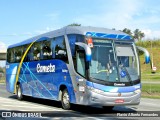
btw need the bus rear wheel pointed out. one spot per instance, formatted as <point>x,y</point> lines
<point>65,100</point>
<point>19,92</point>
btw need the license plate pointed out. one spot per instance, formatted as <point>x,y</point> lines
<point>119,101</point>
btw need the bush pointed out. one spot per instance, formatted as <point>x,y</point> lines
<point>147,43</point>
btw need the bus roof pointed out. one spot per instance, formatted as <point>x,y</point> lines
<point>89,31</point>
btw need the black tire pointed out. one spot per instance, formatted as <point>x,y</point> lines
<point>108,108</point>
<point>65,100</point>
<point>19,92</point>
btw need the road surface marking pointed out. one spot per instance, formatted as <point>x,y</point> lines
<point>10,103</point>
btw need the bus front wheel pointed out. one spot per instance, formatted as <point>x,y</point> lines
<point>65,100</point>
<point>19,92</point>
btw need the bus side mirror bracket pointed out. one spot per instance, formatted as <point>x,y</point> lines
<point>87,50</point>
<point>145,51</point>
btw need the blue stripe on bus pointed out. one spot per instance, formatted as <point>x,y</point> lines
<point>109,36</point>
<point>114,88</point>
<point>42,84</point>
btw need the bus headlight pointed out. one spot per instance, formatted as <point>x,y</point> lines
<point>137,91</point>
<point>95,90</point>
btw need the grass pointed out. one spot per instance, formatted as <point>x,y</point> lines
<point>151,90</point>
<point>144,95</point>
<point>147,43</point>
<point>2,79</point>
<point>155,57</point>
<point>151,77</point>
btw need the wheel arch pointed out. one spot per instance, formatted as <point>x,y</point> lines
<point>70,92</point>
<point>61,88</point>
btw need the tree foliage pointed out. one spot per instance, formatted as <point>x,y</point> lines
<point>128,31</point>
<point>136,34</point>
<point>74,24</point>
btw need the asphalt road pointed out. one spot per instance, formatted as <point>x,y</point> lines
<point>50,109</point>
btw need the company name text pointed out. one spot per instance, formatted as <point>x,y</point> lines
<point>43,68</point>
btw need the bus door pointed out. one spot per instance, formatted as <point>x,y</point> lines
<point>81,67</point>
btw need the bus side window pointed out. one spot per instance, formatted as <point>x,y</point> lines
<point>60,49</point>
<point>27,57</point>
<point>74,38</point>
<point>80,62</point>
<point>18,54</point>
<point>10,55</point>
<point>36,51</point>
<point>53,45</point>
<point>46,50</point>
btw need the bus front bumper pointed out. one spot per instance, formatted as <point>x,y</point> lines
<point>114,99</point>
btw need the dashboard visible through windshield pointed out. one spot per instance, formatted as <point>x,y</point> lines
<point>103,65</point>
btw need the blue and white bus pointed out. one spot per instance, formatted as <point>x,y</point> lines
<point>79,65</point>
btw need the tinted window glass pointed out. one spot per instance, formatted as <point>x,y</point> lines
<point>36,51</point>
<point>80,60</point>
<point>59,49</point>
<point>18,54</point>
<point>27,55</point>
<point>46,50</point>
<point>10,55</point>
<point>75,38</point>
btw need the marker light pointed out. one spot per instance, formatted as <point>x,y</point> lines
<point>90,42</point>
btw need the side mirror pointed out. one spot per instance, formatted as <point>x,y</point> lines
<point>147,56</point>
<point>87,50</point>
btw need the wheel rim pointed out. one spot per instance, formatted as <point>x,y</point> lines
<point>66,98</point>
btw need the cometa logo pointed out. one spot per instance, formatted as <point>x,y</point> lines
<point>119,84</point>
<point>49,68</point>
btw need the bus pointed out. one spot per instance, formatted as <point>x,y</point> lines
<point>77,65</point>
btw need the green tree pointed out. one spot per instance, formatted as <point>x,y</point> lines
<point>128,31</point>
<point>74,24</point>
<point>138,35</point>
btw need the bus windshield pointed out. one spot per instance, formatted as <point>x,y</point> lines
<point>127,62</point>
<point>103,65</point>
<point>113,63</point>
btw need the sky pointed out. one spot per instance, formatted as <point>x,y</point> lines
<point>23,19</point>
